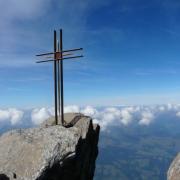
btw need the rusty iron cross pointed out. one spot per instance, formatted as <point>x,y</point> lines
<point>57,57</point>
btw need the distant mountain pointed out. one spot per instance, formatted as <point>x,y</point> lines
<point>138,153</point>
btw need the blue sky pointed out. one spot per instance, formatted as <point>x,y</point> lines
<point>131,48</point>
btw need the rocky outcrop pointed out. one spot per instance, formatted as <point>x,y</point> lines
<point>51,152</point>
<point>174,169</point>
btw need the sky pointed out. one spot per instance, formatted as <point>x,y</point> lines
<point>131,52</point>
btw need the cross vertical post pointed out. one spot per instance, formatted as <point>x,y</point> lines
<point>62,82</point>
<point>55,80</point>
<point>59,84</point>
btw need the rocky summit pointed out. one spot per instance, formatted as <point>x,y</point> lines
<point>51,152</point>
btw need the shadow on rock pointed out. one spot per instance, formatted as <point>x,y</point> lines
<point>3,177</point>
<point>81,166</point>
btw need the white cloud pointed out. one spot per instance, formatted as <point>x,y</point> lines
<point>110,116</point>
<point>11,9</point>
<point>72,108</point>
<point>106,117</point>
<point>147,118</point>
<point>4,115</point>
<point>161,108</point>
<point>116,116</point>
<point>178,114</point>
<point>169,106</point>
<point>113,110</point>
<point>126,116</point>
<point>89,111</point>
<point>96,121</point>
<point>16,115</point>
<point>17,20</point>
<point>13,115</point>
<point>40,115</point>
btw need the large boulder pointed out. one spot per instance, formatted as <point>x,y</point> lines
<point>51,152</point>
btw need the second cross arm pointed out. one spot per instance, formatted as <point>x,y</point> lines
<point>72,57</point>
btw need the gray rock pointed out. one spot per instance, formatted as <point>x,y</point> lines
<point>174,169</point>
<point>69,118</point>
<point>50,152</point>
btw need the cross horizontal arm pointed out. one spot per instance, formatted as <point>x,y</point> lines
<point>70,50</point>
<point>73,57</point>
<point>48,57</point>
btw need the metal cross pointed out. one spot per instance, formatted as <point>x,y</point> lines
<point>58,56</point>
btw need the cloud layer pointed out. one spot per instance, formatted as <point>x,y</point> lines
<point>12,115</point>
<point>105,116</point>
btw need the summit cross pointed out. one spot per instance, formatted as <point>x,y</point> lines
<point>57,57</point>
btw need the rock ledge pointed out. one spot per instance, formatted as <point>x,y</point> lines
<point>51,152</point>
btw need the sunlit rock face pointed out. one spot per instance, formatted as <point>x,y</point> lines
<point>174,169</point>
<point>51,152</point>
